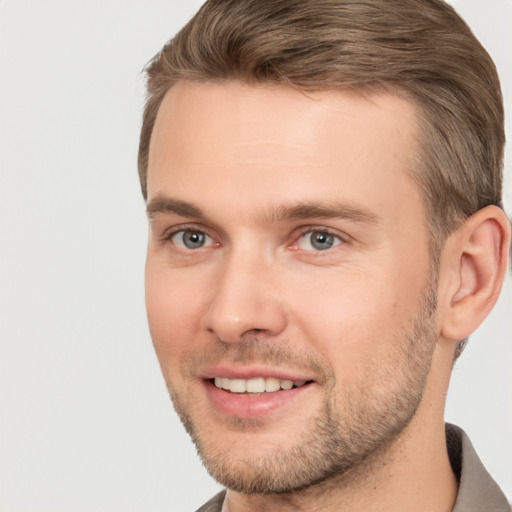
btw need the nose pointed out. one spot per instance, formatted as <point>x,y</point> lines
<point>246,300</point>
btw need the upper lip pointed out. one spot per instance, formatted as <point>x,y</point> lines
<point>251,372</point>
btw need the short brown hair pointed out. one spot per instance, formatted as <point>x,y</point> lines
<point>418,48</point>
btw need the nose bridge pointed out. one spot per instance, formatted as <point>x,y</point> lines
<point>246,297</point>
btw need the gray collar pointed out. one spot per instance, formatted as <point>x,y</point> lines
<point>478,492</point>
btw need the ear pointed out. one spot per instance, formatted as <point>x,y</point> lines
<point>475,258</point>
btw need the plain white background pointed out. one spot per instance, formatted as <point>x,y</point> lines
<point>86,424</point>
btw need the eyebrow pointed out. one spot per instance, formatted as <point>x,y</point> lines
<point>323,210</point>
<point>299,211</point>
<point>163,205</point>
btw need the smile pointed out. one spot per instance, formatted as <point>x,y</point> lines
<point>257,395</point>
<point>256,385</point>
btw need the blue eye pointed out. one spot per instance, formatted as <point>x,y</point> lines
<point>191,239</point>
<point>318,241</point>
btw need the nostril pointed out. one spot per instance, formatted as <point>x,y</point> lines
<point>233,318</point>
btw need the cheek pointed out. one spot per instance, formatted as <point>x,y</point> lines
<point>172,315</point>
<point>354,317</point>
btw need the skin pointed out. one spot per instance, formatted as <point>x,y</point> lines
<point>257,298</point>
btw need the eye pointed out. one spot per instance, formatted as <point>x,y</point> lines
<point>318,241</point>
<point>191,239</point>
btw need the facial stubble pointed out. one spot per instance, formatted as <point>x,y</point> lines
<point>351,429</point>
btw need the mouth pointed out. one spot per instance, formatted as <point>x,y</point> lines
<point>257,385</point>
<point>252,392</point>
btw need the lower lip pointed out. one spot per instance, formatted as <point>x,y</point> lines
<point>251,406</point>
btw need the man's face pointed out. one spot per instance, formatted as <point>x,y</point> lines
<point>288,283</point>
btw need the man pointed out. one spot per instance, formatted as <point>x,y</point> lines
<point>323,184</point>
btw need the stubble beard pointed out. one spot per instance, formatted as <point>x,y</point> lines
<point>339,440</point>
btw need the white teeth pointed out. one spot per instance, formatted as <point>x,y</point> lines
<point>272,384</point>
<point>222,383</point>
<point>287,384</point>
<point>256,385</point>
<point>238,385</point>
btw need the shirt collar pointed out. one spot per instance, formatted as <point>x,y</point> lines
<point>478,492</point>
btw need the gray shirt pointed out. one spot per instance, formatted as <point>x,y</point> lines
<point>478,492</point>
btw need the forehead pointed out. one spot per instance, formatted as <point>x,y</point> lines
<point>282,144</point>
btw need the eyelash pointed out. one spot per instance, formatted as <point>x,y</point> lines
<point>343,239</point>
<point>168,235</point>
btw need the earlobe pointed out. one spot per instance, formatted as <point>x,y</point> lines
<point>479,259</point>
